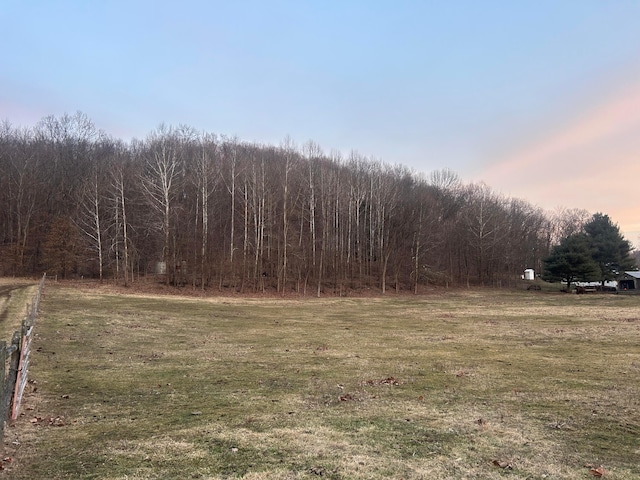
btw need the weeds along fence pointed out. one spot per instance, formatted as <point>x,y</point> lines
<point>16,355</point>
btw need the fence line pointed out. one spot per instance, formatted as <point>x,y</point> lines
<point>13,382</point>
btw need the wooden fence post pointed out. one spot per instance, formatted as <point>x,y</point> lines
<point>10,377</point>
<point>18,353</point>
<point>3,371</point>
<point>13,369</point>
<point>22,370</point>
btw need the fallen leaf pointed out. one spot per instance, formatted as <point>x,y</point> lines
<point>598,472</point>
<point>317,471</point>
<point>384,381</point>
<point>502,464</point>
<point>57,422</point>
<point>389,381</point>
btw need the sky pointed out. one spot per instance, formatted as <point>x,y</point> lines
<point>539,99</point>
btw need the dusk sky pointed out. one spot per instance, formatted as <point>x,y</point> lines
<point>538,99</point>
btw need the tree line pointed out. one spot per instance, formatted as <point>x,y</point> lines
<point>211,211</point>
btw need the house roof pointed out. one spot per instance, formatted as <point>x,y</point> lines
<point>633,274</point>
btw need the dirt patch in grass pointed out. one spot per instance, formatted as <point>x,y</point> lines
<point>479,385</point>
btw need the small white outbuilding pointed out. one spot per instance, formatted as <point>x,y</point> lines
<point>529,274</point>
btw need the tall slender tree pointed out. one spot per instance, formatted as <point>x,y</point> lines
<point>160,184</point>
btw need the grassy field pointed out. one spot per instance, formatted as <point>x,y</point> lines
<point>461,384</point>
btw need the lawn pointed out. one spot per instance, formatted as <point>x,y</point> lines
<point>456,384</point>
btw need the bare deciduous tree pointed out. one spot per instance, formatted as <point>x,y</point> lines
<point>160,184</point>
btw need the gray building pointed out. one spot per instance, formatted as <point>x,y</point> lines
<point>629,281</point>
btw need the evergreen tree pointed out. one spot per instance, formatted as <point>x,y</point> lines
<point>572,261</point>
<point>611,251</point>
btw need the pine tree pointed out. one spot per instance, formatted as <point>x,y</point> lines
<point>572,261</point>
<point>611,251</point>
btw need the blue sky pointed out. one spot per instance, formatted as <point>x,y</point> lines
<point>539,99</point>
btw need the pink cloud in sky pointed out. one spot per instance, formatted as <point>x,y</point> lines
<point>19,115</point>
<point>591,163</point>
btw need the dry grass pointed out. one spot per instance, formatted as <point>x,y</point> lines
<point>440,386</point>
<point>14,297</point>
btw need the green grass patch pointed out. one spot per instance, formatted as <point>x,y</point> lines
<point>134,387</point>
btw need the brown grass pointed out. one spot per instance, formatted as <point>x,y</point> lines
<point>14,297</point>
<point>438,386</point>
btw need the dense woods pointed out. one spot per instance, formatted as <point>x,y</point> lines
<point>208,211</point>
